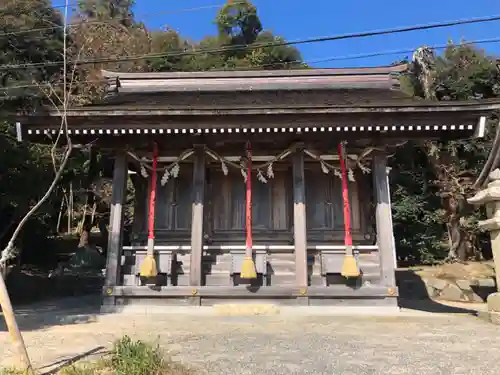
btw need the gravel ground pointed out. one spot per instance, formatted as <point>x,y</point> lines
<point>434,344</point>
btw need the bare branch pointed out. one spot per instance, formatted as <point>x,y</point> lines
<point>9,250</point>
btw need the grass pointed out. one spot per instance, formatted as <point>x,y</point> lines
<point>128,357</point>
<point>10,371</point>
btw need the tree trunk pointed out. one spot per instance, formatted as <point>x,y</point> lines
<point>87,218</point>
<point>70,207</point>
<point>461,243</point>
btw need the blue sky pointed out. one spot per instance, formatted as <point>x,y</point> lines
<point>297,19</point>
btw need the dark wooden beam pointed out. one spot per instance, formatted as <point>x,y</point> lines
<point>113,261</point>
<point>299,219</point>
<point>195,271</point>
<point>189,118</point>
<point>383,218</point>
<point>332,291</point>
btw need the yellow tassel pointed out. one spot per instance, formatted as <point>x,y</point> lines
<point>148,267</point>
<point>350,267</point>
<point>248,269</point>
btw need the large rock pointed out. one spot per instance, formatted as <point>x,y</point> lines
<point>473,297</point>
<point>465,285</point>
<point>452,293</point>
<point>431,291</point>
<point>438,284</point>
<point>485,283</point>
<point>87,258</point>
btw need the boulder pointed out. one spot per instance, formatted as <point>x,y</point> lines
<point>452,293</point>
<point>439,284</point>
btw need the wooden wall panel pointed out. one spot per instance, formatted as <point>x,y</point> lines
<point>272,203</point>
<point>140,208</point>
<point>270,210</point>
<point>280,203</point>
<point>324,208</point>
<point>173,201</point>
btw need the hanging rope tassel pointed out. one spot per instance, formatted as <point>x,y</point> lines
<point>148,266</point>
<point>248,266</point>
<point>350,266</point>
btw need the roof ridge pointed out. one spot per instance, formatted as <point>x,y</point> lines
<point>359,71</point>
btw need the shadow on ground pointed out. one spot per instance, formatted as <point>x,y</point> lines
<point>40,301</point>
<point>57,311</point>
<point>57,366</point>
<point>413,295</point>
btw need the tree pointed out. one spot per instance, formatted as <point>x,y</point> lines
<point>238,23</point>
<point>238,44</point>
<point>32,32</point>
<point>104,10</point>
<point>241,32</point>
<point>462,72</point>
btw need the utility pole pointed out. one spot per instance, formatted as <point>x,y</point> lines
<point>15,334</point>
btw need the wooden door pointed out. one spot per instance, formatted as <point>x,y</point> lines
<point>271,214</point>
<point>174,202</point>
<point>324,205</point>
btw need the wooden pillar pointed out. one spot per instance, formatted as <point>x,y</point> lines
<point>195,271</point>
<point>383,219</point>
<point>299,219</point>
<point>115,237</point>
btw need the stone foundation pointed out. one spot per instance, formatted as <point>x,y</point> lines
<point>412,286</point>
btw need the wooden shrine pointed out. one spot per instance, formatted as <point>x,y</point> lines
<point>294,120</point>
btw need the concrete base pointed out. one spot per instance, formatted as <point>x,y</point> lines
<point>494,302</point>
<point>254,309</point>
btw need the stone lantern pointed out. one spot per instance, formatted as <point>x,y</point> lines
<point>490,196</point>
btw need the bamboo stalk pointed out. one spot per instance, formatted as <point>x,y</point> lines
<point>59,216</point>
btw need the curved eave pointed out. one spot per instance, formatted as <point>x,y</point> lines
<point>419,119</point>
<point>347,127</point>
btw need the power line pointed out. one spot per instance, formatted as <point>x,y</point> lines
<point>313,61</point>
<point>144,15</point>
<point>61,6</point>
<point>262,45</point>
<point>400,51</point>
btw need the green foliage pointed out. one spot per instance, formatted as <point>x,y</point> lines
<point>432,180</point>
<point>25,48</point>
<point>85,369</point>
<point>240,32</point>
<point>465,72</point>
<point>131,357</point>
<point>136,358</point>
<point>23,180</point>
<point>105,10</point>
<point>417,226</point>
<point>238,23</point>
<point>11,371</point>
